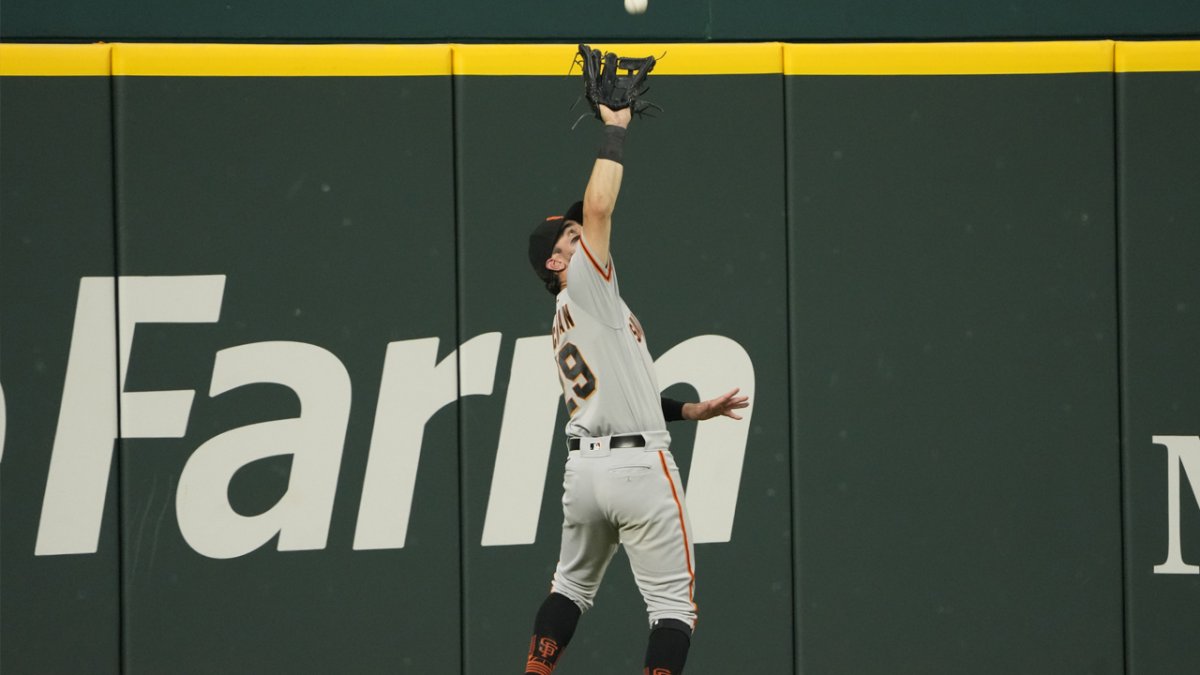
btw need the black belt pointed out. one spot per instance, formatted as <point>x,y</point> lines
<point>629,441</point>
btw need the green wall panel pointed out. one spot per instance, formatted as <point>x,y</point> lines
<point>1159,156</point>
<point>699,244</point>
<point>954,374</point>
<point>326,309</point>
<point>58,613</point>
<point>326,204</point>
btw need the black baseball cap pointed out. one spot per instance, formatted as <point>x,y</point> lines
<point>545,236</point>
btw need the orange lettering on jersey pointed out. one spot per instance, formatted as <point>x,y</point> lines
<point>562,323</point>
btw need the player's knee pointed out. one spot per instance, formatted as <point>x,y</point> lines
<point>573,592</point>
<point>561,607</point>
<point>581,595</point>
<point>674,625</point>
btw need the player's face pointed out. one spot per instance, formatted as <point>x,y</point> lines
<point>567,241</point>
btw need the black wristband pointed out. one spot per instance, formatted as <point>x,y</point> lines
<point>613,146</point>
<point>672,409</point>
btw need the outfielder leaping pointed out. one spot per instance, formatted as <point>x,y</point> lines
<point>620,484</point>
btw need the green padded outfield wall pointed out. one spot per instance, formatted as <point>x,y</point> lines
<point>1158,89</point>
<point>294,238</point>
<point>567,20</point>
<point>58,614</point>
<point>951,239</point>
<point>341,423</point>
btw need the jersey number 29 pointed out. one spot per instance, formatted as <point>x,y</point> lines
<point>573,368</point>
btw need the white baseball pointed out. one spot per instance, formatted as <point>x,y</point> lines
<point>636,6</point>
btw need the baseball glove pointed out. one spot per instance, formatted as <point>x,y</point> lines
<point>604,83</point>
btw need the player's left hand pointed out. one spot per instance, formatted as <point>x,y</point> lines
<point>723,405</point>
<point>619,118</point>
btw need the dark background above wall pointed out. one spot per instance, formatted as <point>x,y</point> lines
<point>593,20</point>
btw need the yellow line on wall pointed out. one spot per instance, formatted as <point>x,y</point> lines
<point>949,58</point>
<point>1143,57</point>
<point>674,59</point>
<point>221,60</point>
<point>54,60</point>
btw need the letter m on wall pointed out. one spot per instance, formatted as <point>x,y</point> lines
<point>1182,451</point>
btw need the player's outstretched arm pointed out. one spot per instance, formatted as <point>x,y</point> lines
<point>600,198</point>
<point>723,405</point>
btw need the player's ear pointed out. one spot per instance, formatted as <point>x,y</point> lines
<point>555,265</point>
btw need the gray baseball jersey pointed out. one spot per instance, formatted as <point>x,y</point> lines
<point>630,496</point>
<point>605,366</point>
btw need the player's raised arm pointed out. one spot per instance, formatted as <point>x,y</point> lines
<point>600,199</point>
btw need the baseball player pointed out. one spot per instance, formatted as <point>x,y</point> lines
<point>620,484</point>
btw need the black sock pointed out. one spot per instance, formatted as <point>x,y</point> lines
<point>552,630</point>
<point>668,648</point>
